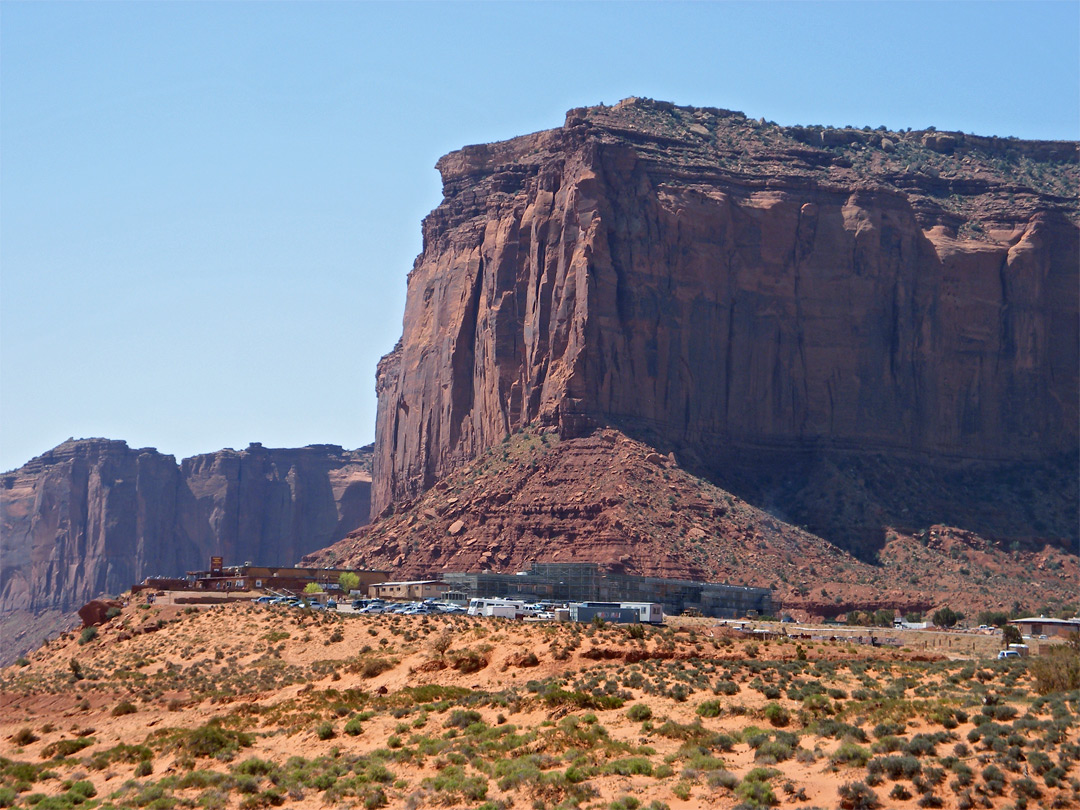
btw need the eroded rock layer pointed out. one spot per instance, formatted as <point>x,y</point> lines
<point>94,516</point>
<point>766,302</point>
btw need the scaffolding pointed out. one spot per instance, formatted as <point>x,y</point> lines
<point>587,582</point>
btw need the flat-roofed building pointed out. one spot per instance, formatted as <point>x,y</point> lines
<point>275,578</point>
<point>1043,626</point>
<point>413,589</point>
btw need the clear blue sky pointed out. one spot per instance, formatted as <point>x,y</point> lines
<point>208,210</point>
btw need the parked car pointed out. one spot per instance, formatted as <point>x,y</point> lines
<point>264,600</point>
<point>1008,654</point>
<point>331,604</point>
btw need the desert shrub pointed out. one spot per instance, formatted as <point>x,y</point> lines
<point>831,727</point>
<point>994,779</point>
<point>639,712</point>
<point>775,751</point>
<point>211,740</point>
<point>83,789</point>
<point>24,736</point>
<point>453,782</point>
<point>371,666</point>
<point>354,727</point>
<point>630,767</point>
<point>88,634</point>
<point>511,773</point>
<point>1000,711</point>
<point>1027,788</point>
<point>1057,669</point>
<point>755,789</point>
<point>887,745</point>
<point>710,708</point>
<point>888,729</point>
<point>922,745</point>
<point>122,708</point>
<point>325,730</point>
<point>468,660</point>
<point>726,687</point>
<point>463,718</point>
<point>964,775</point>
<point>65,748</point>
<point>895,767</point>
<point>120,753</point>
<point>851,754</point>
<point>554,696</point>
<point>899,792</point>
<point>144,768</point>
<point>254,766</point>
<point>857,796</point>
<point>697,734</point>
<point>777,715</point>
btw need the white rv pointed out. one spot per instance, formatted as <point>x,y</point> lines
<point>502,608</point>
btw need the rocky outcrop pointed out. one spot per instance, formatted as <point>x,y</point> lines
<point>94,516</point>
<point>96,611</point>
<point>765,302</point>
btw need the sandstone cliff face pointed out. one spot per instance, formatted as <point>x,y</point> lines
<point>95,516</point>
<point>761,301</point>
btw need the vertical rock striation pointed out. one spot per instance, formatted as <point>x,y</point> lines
<point>771,304</point>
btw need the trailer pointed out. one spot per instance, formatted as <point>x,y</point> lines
<point>645,612</point>
<point>648,612</point>
<point>503,608</point>
<point>607,611</point>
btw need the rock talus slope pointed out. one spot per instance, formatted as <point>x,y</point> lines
<point>94,516</point>
<point>886,322</point>
<point>611,500</point>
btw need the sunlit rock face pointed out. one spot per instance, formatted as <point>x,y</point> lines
<point>850,328</point>
<point>94,516</point>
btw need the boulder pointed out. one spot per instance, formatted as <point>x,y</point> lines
<point>94,612</point>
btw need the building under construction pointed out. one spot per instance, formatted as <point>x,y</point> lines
<point>588,582</point>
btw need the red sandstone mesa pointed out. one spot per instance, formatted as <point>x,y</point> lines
<point>862,327</point>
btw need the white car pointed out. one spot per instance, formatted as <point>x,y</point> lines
<point>1008,654</point>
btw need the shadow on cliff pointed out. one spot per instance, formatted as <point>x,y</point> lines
<point>853,499</point>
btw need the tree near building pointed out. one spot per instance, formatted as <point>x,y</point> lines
<point>313,587</point>
<point>947,617</point>
<point>348,581</point>
<point>1010,634</point>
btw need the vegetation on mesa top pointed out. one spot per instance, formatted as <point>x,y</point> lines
<point>972,177</point>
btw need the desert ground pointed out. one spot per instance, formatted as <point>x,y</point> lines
<point>245,706</point>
